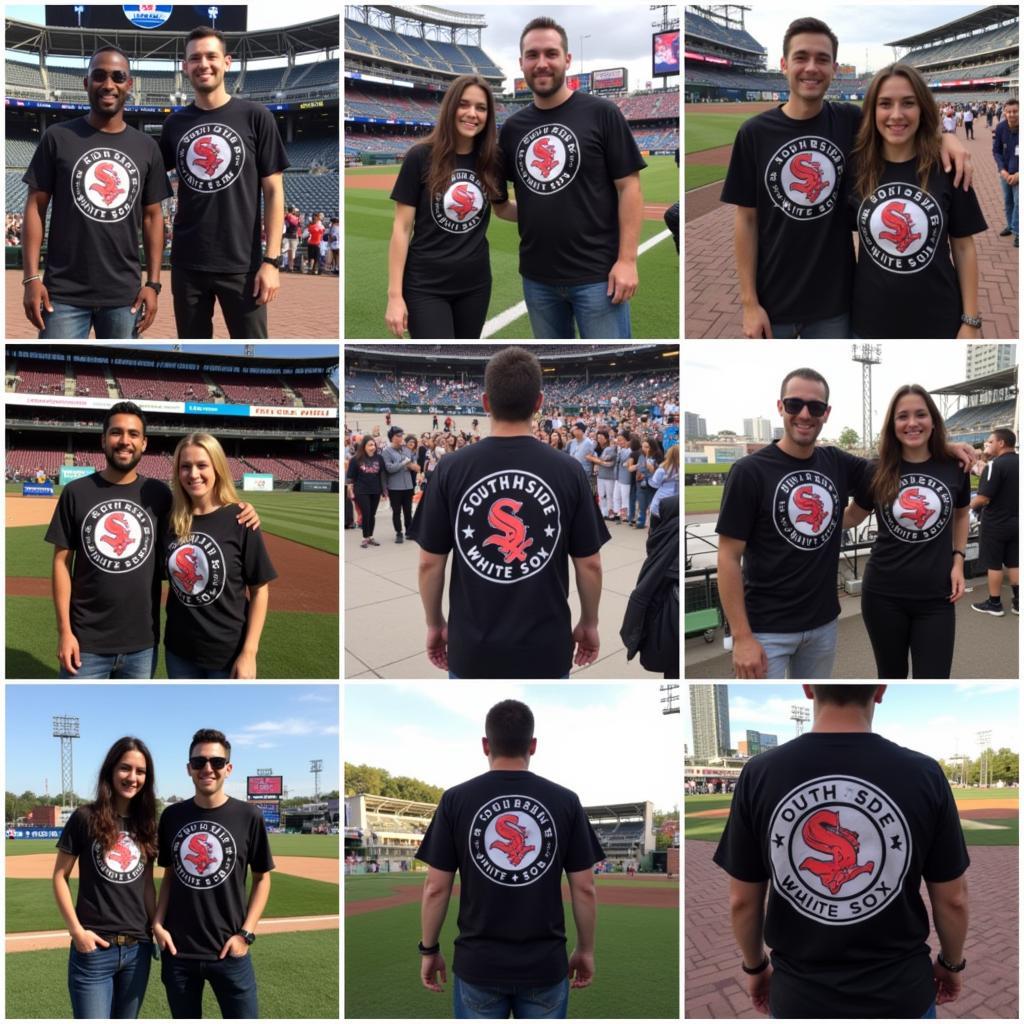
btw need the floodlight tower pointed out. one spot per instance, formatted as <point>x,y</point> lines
<point>799,715</point>
<point>984,767</point>
<point>316,767</point>
<point>867,356</point>
<point>671,699</point>
<point>65,728</point>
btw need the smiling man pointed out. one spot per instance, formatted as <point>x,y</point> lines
<point>106,182</point>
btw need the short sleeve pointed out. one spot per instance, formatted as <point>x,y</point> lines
<point>991,479</point>
<point>947,857</point>
<point>740,500</point>
<point>587,530</point>
<point>163,853</point>
<point>858,471</point>
<point>739,851</point>
<point>167,147</point>
<point>409,183</point>
<point>965,216</point>
<point>502,196</point>
<point>433,523</point>
<point>621,153</point>
<point>257,567</point>
<point>963,492</point>
<point>505,146</point>
<point>260,858</point>
<point>157,187</point>
<point>270,155</point>
<point>583,849</point>
<point>61,530</point>
<point>42,169</point>
<point>862,494</point>
<point>740,186</point>
<point>438,846</point>
<point>74,835</point>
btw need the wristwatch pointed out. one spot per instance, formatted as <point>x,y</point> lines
<point>952,968</point>
<point>274,261</point>
<point>759,969</point>
<point>250,937</point>
<point>155,285</point>
<point>428,950</point>
<point>971,321</point>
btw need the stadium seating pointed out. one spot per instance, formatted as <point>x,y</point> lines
<point>313,192</point>
<point>22,79</point>
<point>39,377</point>
<point>981,417</point>
<point>427,54</point>
<point>89,384</point>
<point>19,152</point>
<point>649,106</point>
<point>1003,37</point>
<point>305,153</point>
<point>172,385</point>
<point>703,28</point>
<point>22,462</point>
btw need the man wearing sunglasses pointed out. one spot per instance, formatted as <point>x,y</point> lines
<point>106,181</point>
<point>204,924</point>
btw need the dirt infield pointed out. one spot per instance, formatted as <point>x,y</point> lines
<point>611,895</point>
<point>22,511</point>
<point>997,807</point>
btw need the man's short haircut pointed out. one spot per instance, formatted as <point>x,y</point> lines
<point>544,22</point>
<point>512,382</point>
<point>1007,436</point>
<point>111,49</point>
<point>804,373</point>
<point>124,409</point>
<point>204,32</point>
<point>509,729</point>
<point>814,25</point>
<point>210,736</point>
<point>844,693</point>
<point>1011,102</point>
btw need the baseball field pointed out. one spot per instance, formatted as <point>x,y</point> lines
<point>637,953</point>
<point>300,639</point>
<point>368,218</point>
<point>295,957</point>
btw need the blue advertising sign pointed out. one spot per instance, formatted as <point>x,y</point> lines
<point>37,490</point>
<point>147,15</point>
<point>215,409</point>
<point>34,833</point>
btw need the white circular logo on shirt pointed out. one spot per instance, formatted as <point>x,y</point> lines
<point>122,863</point>
<point>105,184</point>
<point>804,509</point>
<point>203,854</point>
<point>462,206</point>
<point>547,158</point>
<point>840,849</point>
<point>921,510</point>
<point>513,840</point>
<point>210,157</point>
<point>507,525</point>
<point>195,569</point>
<point>117,535</point>
<point>900,226</point>
<point>803,177</point>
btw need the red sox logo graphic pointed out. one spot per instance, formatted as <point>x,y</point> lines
<point>207,156</point>
<point>901,226</point>
<point>210,157</point>
<point>812,508</point>
<point>196,569</point>
<point>922,510</point>
<point>918,511</point>
<point>515,835</point>
<point>201,853</point>
<point>186,573</point>
<point>823,832</point>
<point>546,157</point>
<point>118,533</point>
<point>117,536</point>
<point>462,206</point>
<point>120,853</point>
<point>107,183</point>
<point>513,840</point>
<point>122,863</point>
<point>463,201</point>
<point>810,177</point>
<point>512,542</point>
<point>865,839</point>
<point>804,509</point>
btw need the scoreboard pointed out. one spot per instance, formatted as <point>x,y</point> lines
<point>262,786</point>
<point>165,17</point>
<point>610,80</point>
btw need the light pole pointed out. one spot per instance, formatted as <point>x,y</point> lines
<point>582,37</point>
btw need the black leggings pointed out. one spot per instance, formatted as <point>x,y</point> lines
<point>401,505</point>
<point>440,316</point>
<point>925,630</point>
<point>368,511</point>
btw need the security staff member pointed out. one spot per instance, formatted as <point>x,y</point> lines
<point>999,496</point>
<point>839,826</point>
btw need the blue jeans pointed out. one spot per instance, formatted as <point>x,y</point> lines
<point>644,497</point>
<point>833,327</point>
<point>109,983</point>
<point>522,1001</point>
<point>552,309</point>
<point>74,322</point>
<point>133,665</point>
<point>1011,204</point>
<point>809,655</point>
<point>182,668</point>
<point>232,979</point>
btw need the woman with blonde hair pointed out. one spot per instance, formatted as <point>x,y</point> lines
<point>213,627</point>
<point>665,482</point>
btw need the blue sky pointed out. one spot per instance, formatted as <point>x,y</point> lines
<point>938,719</point>
<point>278,727</point>
<point>608,743</point>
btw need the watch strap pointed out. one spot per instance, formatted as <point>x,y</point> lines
<point>428,950</point>
<point>761,967</point>
<point>953,968</point>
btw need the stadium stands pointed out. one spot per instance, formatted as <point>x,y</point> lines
<point>703,28</point>
<point>432,55</point>
<point>981,417</point>
<point>172,385</point>
<point>650,105</point>
<point>975,46</point>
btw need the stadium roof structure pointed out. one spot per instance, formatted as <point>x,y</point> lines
<point>152,44</point>
<point>122,354</point>
<point>434,15</point>
<point>395,805</point>
<point>617,812</point>
<point>977,385</point>
<point>987,17</point>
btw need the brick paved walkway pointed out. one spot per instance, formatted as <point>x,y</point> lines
<point>712,307</point>
<point>714,983</point>
<point>305,307</point>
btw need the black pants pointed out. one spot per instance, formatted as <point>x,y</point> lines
<point>194,292</point>
<point>969,127</point>
<point>401,505</point>
<point>368,510</point>
<point>440,316</point>
<point>924,629</point>
<point>671,218</point>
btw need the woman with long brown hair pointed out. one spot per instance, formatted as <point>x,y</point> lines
<point>439,270</point>
<point>114,840</point>
<point>917,267</point>
<point>920,496</point>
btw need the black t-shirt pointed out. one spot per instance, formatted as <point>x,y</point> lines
<point>207,607</point>
<point>99,184</point>
<point>905,284</point>
<point>789,513</point>
<point>564,162</point>
<point>448,253</point>
<point>207,852</point>
<point>795,174</point>
<point>515,510</point>
<point>220,156</point>
<point>115,583</point>
<point>367,475</point>
<point>844,826</point>
<point>510,835</point>
<point>1000,483</point>
<point>913,553</point>
<point>111,884</point>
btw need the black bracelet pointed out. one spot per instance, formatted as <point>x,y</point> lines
<point>429,950</point>
<point>960,553</point>
<point>952,968</point>
<point>761,967</point>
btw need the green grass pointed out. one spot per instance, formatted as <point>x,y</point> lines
<point>636,960</point>
<point>702,497</point>
<point>709,131</point>
<point>281,845</point>
<point>368,217</point>
<point>30,905</point>
<point>698,175</point>
<point>28,554</point>
<point>296,975</point>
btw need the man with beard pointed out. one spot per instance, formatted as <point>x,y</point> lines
<point>576,169</point>
<point>106,579</point>
<point>226,151</point>
<point>107,182</point>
